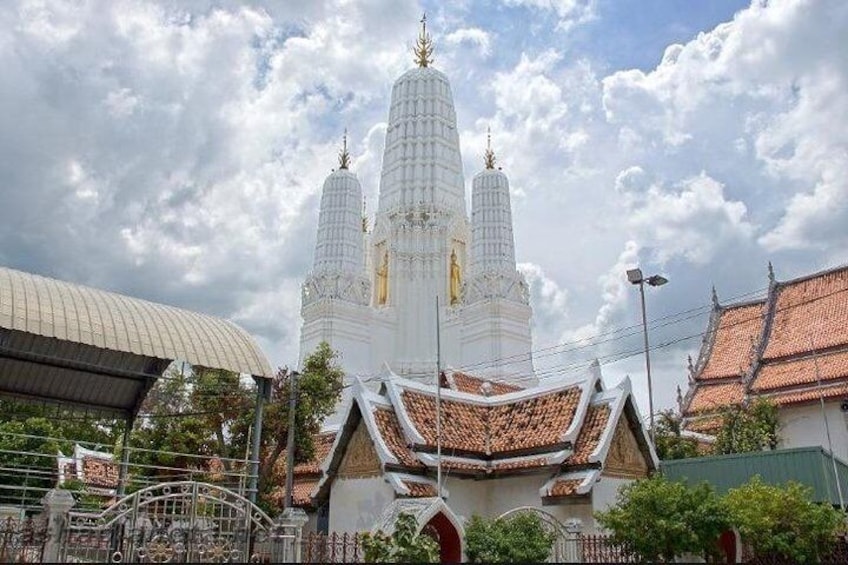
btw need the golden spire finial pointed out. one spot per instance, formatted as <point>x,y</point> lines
<point>489,156</point>
<point>424,46</point>
<point>344,156</point>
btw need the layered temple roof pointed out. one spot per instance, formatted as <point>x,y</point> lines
<point>777,348</point>
<point>565,429</point>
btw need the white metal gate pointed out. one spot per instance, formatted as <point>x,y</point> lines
<point>179,522</point>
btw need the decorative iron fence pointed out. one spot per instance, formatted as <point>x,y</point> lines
<point>838,553</point>
<point>332,548</point>
<point>22,541</point>
<point>600,548</point>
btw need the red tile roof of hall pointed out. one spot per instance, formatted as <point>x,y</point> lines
<point>711,397</point>
<point>594,424</point>
<point>732,350</point>
<point>301,492</point>
<point>797,372</point>
<point>709,425</point>
<point>420,490</point>
<point>389,429</point>
<point>536,422</point>
<point>809,395</point>
<point>809,312</point>
<point>464,382</point>
<point>564,487</point>
<point>323,443</point>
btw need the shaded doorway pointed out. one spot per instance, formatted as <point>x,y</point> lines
<point>443,531</point>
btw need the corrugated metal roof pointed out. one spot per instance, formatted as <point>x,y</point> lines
<point>811,466</point>
<point>56,309</point>
<point>69,344</point>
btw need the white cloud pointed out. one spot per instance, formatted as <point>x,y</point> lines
<point>475,36</point>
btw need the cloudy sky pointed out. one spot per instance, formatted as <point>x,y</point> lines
<point>175,150</point>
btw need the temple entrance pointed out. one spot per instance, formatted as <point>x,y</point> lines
<point>443,531</point>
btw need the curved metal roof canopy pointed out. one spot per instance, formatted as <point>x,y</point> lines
<point>71,344</point>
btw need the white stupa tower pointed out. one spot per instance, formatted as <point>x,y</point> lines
<point>336,294</point>
<point>496,314</point>
<point>379,308</point>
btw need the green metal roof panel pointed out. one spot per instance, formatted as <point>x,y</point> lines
<point>811,466</point>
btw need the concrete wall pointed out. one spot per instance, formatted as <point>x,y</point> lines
<point>803,426</point>
<point>356,504</point>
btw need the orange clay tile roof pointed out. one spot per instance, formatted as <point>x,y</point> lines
<point>594,424</point>
<point>816,308</point>
<point>474,385</point>
<point>714,396</point>
<point>323,443</point>
<point>732,350</point>
<point>99,472</point>
<point>419,490</point>
<point>463,424</point>
<point>454,465</point>
<point>390,431</point>
<point>809,395</point>
<point>564,487</point>
<point>523,463</point>
<point>301,491</point>
<point>525,424</point>
<point>795,372</point>
<point>709,425</point>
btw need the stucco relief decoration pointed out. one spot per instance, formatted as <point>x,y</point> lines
<point>360,460</point>
<point>624,458</point>
<point>349,288</point>
<point>497,285</point>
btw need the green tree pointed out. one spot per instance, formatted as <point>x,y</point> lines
<point>670,444</point>
<point>748,428</point>
<point>319,388</point>
<point>403,546</point>
<point>517,539</point>
<point>663,520</point>
<point>782,521</point>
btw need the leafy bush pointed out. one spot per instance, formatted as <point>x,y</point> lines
<point>783,521</point>
<point>663,520</point>
<point>518,539</point>
<point>750,428</point>
<point>403,546</point>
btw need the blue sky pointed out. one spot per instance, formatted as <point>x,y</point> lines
<point>175,150</point>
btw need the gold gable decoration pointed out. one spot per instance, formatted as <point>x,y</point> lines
<point>360,460</point>
<point>625,459</point>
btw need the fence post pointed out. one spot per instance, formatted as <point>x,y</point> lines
<point>57,504</point>
<point>573,548</point>
<point>290,527</point>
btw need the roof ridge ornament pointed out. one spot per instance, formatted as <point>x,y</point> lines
<point>344,156</point>
<point>715,297</point>
<point>489,156</point>
<point>423,46</point>
<point>771,273</point>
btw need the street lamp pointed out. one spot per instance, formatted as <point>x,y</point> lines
<point>635,277</point>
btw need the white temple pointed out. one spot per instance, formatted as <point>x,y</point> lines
<point>372,296</point>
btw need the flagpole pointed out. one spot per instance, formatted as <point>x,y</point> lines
<point>827,426</point>
<point>438,404</point>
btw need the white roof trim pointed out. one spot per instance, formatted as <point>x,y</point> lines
<point>615,398</point>
<point>586,393</point>
<point>409,430</point>
<point>396,480</point>
<point>588,479</point>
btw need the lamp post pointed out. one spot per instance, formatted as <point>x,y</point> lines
<point>635,277</point>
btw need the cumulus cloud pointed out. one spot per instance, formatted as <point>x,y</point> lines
<point>474,36</point>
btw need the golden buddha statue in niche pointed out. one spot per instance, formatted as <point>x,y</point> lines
<point>455,279</point>
<point>383,280</point>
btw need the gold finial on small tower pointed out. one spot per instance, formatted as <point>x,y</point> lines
<point>423,46</point>
<point>344,156</point>
<point>489,156</point>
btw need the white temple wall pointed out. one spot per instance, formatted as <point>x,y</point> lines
<point>345,326</point>
<point>496,340</point>
<point>803,426</point>
<point>604,495</point>
<point>467,496</point>
<point>356,504</point>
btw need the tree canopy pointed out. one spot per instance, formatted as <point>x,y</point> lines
<point>748,428</point>
<point>662,520</point>
<point>521,538</point>
<point>669,441</point>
